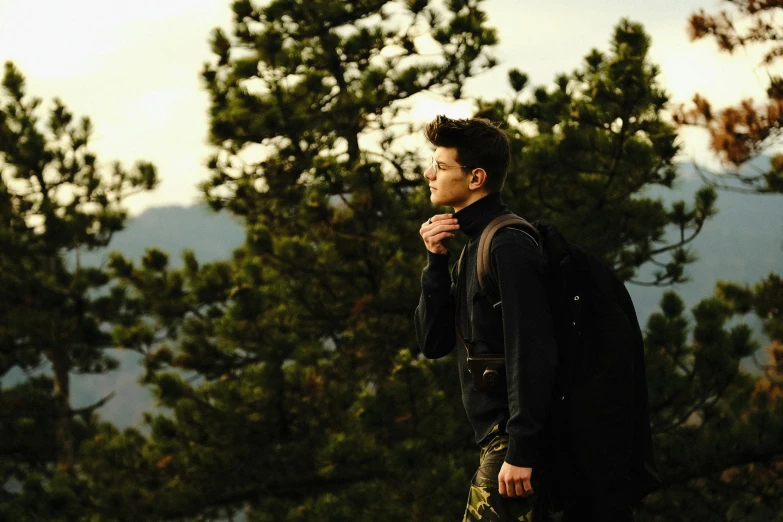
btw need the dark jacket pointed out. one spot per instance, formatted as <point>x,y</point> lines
<point>522,330</point>
<point>602,421</point>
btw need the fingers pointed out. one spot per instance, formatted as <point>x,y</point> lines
<point>438,223</point>
<point>514,488</point>
<point>439,217</point>
<point>438,230</point>
<point>527,487</point>
<point>519,488</point>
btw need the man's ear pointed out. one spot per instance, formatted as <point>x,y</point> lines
<point>478,177</point>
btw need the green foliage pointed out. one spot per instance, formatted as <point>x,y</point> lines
<point>288,378</point>
<point>766,301</point>
<point>54,204</point>
<point>584,151</point>
<point>307,387</point>
<point>718,429</point>
<point>305,381</point>
<point>739,135</point>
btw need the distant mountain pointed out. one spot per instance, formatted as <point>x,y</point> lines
<point>210,235</point>
<point>742,244</point>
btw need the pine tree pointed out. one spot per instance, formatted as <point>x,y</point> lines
<point>584,165</point>
<point>289,375</point>
<point>745,481</point>
<point>309,398</point>
<point>718,428</point>
<point>291,370</point>
<point>55,202</point>
<point>585,150</point>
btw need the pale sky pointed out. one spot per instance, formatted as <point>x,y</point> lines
<point>134,68</point>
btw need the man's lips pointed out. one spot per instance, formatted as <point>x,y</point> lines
<point>432,188</point>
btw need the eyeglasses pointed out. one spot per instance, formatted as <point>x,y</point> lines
<point>435,167</point>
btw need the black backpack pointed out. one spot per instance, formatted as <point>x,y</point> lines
<point>601,442</point>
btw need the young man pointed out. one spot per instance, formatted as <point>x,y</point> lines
<point>467,173</point>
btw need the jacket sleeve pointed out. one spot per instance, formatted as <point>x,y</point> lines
<point>434,317</point>
<point>529,342</point>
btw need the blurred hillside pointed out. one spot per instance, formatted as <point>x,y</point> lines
<point>173,229</point>
<point>743,243</point>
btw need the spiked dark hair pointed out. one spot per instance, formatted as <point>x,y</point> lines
<point>479,144</point>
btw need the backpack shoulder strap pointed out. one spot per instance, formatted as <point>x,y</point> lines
<point>485,242</point>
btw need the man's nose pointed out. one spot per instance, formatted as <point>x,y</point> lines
<point>429,173</point>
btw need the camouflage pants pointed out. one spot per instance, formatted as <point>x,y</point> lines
<point>484,501</point>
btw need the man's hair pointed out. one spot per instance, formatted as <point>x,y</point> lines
<point>479,144</point>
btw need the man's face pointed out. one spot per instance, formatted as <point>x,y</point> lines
<point>449,183</point>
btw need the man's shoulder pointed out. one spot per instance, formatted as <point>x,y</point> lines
<point>513,237</point>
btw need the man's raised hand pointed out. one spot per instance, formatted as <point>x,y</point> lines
<point>437,231</point>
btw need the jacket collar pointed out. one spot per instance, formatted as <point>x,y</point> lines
<point>476,216</point>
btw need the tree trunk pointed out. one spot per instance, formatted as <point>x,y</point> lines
<point>62,408</point>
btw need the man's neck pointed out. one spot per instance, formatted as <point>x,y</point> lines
<point>473,198</point>
<point>474,217</point>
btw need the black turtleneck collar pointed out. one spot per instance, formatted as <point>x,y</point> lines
<point>476,216</point>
